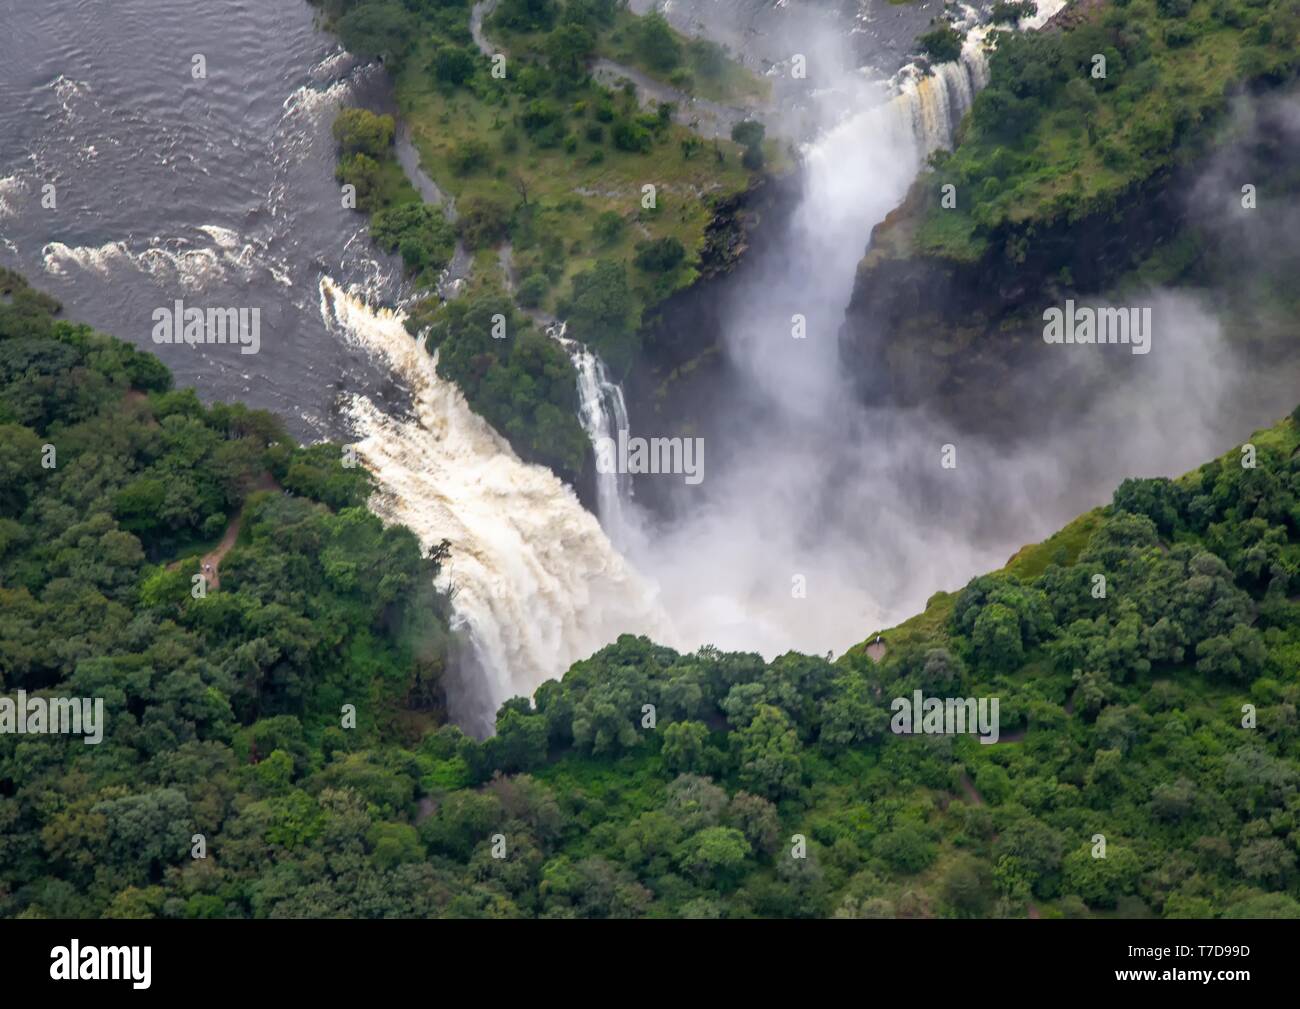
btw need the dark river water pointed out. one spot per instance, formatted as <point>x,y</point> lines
<point>218,191</point>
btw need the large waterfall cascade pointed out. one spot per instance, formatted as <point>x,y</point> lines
<point>538,582</point>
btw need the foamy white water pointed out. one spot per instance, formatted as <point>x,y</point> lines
<point>537,584</point>
<point>602,411</point>
<point>735,569</point>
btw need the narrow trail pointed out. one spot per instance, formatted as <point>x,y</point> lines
<point>711,120</point>
<point>210,564</point>
<point>973,796</point>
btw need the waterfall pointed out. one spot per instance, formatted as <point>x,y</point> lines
<point>603,414</point>
<point>536,583</point>
<point>934,100</point>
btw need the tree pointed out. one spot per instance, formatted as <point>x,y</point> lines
<point>684,749</point>
<point>965,887</point>
<point>469,157</point>
<point>483,222</point>
<point>656,42</point>
<point>707,57</point>
<point>1101,881</point>
<point>601,311</point>
<point>527,15</point>
<point>630,136</point>
<point>520,742</point>
<point>567,50</point>
<point>382,30</point>
<point>941,44</point>
<point>418,231</point>
<point>695,802</point>
<point>453,65</point>
<point>996,637</point>
<point>748,133</point>
<point>608,227</point>
<point>757,819</point>
<point>769,755</point>
<point>360,131</point>
<point>905,848</point>
<point>362,172</point>
<point>1266,860</point>
<point>659,255</point>
<point>715,856</point>
<point>1238,655</point>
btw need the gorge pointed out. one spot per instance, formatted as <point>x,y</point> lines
<point>391,616</point>
<point>862,517</point>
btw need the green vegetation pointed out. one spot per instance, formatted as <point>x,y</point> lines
<point>942,43</point>
<point>649,44</point>
<point>749,134</point>
<point>418,232</point>
<point>512,375</point>
<point>399,221</point>
<point>605,205</point>
<point>1051,140</point>
<point>1160,713</point>
<point>113,485</point>
<point>1011,11</point>
<point>515,377</point>
<point>551,152</point>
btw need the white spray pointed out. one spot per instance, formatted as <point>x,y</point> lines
<point>537,585</point>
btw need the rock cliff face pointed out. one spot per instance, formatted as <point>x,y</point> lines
<point>674,387</point>
<point>924,329</point>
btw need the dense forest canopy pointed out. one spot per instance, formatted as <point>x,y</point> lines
<point>1159,715</point>
<point>1077,117</point>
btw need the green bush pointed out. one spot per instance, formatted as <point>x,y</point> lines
<point>360,131</point>
<point>656,43</point>
<point>942,44</point>
<point>659,255</point>
<point>418,232</point>
<point>609,227</point>
<point>483,222</point>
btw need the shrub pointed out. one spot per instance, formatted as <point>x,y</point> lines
<point>360,131</point>
<point>532,290</point>
<point>656,43</point>
<point>452,65</point>
<point>483,222</point>
<point>749,133</point>
<point>942,45</point>
<point>468,157</point>
<point>630,136</point>
<point>708,58</point>
<point>361,171</point>
<point>1011,10</point>
<point>418,232</point>
<point>608,229</point>
<point>659,255</point>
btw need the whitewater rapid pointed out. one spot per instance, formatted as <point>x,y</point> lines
<point>535,582</point>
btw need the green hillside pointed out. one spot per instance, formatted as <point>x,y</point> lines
<point>1075,120</point>
<point>646,782</point>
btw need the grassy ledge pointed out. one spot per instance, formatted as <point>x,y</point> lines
<point>1051,140</point>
